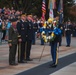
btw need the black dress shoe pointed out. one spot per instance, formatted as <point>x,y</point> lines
<point>59,44</point>
<point>53,66</point>
<point>42,44</point>
<point>33,43</point>
<point>29,59</point>
<point>13,64</point>
<point>67,45</point>
<point>22,61</point>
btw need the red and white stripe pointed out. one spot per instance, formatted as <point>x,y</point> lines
<point>43,9</point>
<point>43,6</point>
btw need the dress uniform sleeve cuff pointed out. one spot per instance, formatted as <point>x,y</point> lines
<point>9,41</point>
<point>19,36</point>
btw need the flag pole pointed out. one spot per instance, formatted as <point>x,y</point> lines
<point>42,52</point>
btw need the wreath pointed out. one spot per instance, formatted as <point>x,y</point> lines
<point>48,38</point>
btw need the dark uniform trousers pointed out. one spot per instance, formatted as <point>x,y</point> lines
<point>68,34</point>
<point>28,49</point>
<point>12,53</point>
<point>54,52</point>
<point>54,47</point>
<point>21,51</point>
<point>30,34</point>
<point>68,39</point>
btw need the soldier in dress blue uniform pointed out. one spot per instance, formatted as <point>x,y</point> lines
<point>68,31</point>
<point>22,30</point>
<point>30,34</point>
<point>74,30</point>
<point>35,28</point>
<point>54,42</point>
<point>13,41</point>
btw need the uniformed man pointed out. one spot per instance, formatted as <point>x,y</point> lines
<point>22,30</point>
<point>35,28</point>
<point>30,35</point>
<point>13,41</point>
<point>74,30</point>
<point>68,31</point>
<point>54,42</point>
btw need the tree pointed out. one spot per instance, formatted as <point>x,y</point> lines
<point>67,4</point>
<point>73,13</point>
<point>34,6</point>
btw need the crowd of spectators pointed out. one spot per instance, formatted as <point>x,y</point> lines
<point>6,14</point>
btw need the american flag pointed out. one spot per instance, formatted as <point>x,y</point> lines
<point>43,9</point>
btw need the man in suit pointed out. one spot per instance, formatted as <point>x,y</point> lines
<point>13,41</point>
<point>22,30</point>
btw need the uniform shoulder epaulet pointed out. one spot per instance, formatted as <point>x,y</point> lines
<point>19,36</point>
<point>9,41</point>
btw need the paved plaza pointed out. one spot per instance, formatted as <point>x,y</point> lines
<point>36,50</point>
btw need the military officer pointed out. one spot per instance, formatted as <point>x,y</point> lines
<point>68,31</point>
<point>22,30</point>
<point>30,35</point>
<point>13,41</point>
